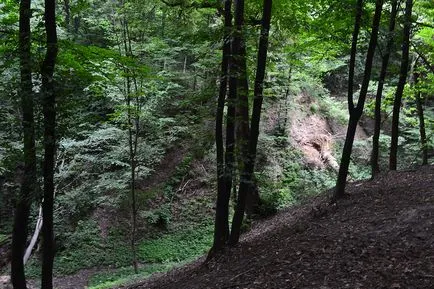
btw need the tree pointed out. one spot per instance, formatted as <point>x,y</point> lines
<point>420,114</point>
<point>401,84</point>
<point>234,84</point>
<point>357,111</point>
<point>247,175</point>
<point>29,183</point>
<point>221,230</point>
<point>375,168</point>
<point>49,112</point>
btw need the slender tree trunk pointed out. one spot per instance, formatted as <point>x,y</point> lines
<point>353,54</point>
<point>29,184</point>
<point>230,134</point>
<point>221,230</point>
<point>246,179</point>
<point>356,112</point>
<point>35,236</point>
<point>401,85</point>
<point>132,141</point>
<point>49,112</point>
<point>420,114</point>
<point>375,167</point>
<point>423,141</point>
<point>352,124</point>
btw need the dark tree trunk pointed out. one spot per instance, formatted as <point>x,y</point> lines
<point>247,180</point>
<point>28,185</point>
<point>375,167</point>
<point>221,230</point>
<point>401,85</point>
<point>423,141</point>
<point>353,54</point>
<point>352,124</point>
<point>240,69</point>
<point>49,112</point>
<point>356,112</point>
<point>242,114</point>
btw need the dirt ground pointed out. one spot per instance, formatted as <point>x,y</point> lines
<point>380,236</point>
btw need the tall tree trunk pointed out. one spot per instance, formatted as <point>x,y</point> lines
<point>49,111</point>
<point>401,85</point>
<point>420,114</point>
<point>29,184</point>
<point>241,108</point>
<point>352,124</point>
<point>246,179</point>
<point>357,111</point>
<point>133,127</point>
<point>375,167</point>
<point>353,54</point>
<point>242,102</point>
<point>221,229</point>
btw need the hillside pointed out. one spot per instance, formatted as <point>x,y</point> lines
<point>381,236</point>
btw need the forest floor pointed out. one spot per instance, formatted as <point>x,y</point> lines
<point>380,236</point>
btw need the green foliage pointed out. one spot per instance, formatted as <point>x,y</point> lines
<point>86,248</point>
<point>178,246</point>
<point>126,276</point>
<point>170,57</point>
<point>159,217</point>
<point>3,238</point>
<point>334,109</point>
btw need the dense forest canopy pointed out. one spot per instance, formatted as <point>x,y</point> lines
<point>151,132</point>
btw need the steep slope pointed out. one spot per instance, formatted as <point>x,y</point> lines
<point>381,236</point>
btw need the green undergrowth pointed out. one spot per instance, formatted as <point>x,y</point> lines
<point>176,247</point>
<point>159,255</point>
<point>3,238</point>
<point>126,275</point>
<point>88,249</point>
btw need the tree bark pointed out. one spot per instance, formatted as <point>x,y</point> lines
<point>420,114</point>
<point>353,54</point>
<point>375,167</point>
<point>29,183</point>
<point>242,114</point>
<point>246,180</point>
<point>221,229</point>
<point>49,112</point>
<point>401,85</point>
<point>352,124</point>
<point>356,112</point>
<point>35,236</point>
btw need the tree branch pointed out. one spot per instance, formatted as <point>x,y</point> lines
<point>424,59</point>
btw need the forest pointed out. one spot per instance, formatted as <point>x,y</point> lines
<point>216,144</point>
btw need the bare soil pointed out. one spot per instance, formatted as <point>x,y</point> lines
<point>380,236</point>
